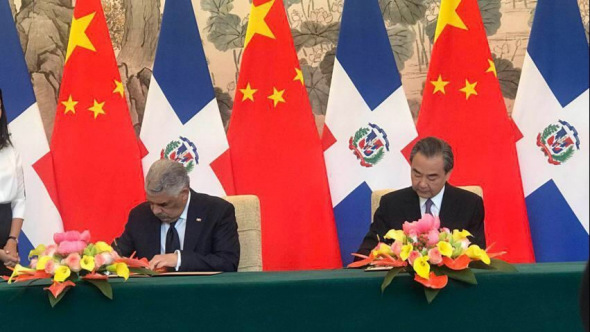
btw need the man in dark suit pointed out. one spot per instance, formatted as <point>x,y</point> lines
<point>432,162</point>
<point>178,228</point>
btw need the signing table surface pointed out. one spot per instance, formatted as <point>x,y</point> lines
<point>540,297</point>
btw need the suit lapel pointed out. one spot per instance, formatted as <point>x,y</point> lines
<point>448,210</point>
<point>194,222</point>
<point>154,236</point>
<point>412,208</point>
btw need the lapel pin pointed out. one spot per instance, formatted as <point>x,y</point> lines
<point>199,219</point>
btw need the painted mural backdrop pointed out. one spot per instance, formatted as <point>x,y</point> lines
<point>43,26</point>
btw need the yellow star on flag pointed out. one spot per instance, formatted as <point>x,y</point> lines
<point>70,105</point>
<point>492,68</point>
<point>469,89</point>
<point>97,109</point>
<point>299,76</point>
<point>448,16</point>
<point>248,93</point>
<point>277,96</point>
<point>257,25</point>
<point>439,85</point>
<point>78,36</point>
<point>119,88</point>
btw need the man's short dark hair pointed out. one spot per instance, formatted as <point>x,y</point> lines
<point>432,147</point>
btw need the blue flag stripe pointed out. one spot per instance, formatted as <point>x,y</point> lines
<point>353,218</point>
<point>558,235</point>
<point>559,48</point>
<point>15,80</point>
<point>365,52</point>
<point>180,66</point>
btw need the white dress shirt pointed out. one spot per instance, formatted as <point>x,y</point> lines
<point>180,228</point>
<point>12,185</point>
<point>436,203</point>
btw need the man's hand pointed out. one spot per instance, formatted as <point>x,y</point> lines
<point>163,261</point>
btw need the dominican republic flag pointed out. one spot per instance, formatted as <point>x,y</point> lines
<point>28,136</point>
<point>368,122</point>
<point>182,120</point>
<point>551,110</point>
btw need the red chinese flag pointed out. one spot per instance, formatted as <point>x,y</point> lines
<point>276,151</point>
<point>97,175</point>
<point>463,105</point>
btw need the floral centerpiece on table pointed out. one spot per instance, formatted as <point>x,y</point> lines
<point>74,258</point>
<point>432,253</point>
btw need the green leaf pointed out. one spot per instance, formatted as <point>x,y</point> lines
<point>327,65</point>
<point>226,104</point>
<point>430,294</point>
<point>391,274</point>
<point>104,287</point>
<point>317,88</point>
<point>503,266</point>
<point>466,276</point>
<point>491,15</point>
<point>217,7</point>
<point>226,32</point>
<point>508,75</point>
<point>142,271</point>
<point>54,301</point>
<point>313,34</point>
<point>402,43</point>
<point>407,12</point>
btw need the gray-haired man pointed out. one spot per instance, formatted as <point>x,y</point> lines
<point>432,162</point>
<point>178,228</point>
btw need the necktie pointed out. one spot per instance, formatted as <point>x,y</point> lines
<point>429,204</point>
<point>172,239</point>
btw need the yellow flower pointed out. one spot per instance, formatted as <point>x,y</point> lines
<point>101,247</point>
<point>422,267</point>
<point>43,262</point>
<point>395,235</point>
<point>62,273</point>
<point>445,248</point>
<point>460,235</point>
<point>18,270</point>
<point>87,263</point>
<point>406,250</point>
<point>476,253</point>
<point>37,251</point>
<point>121,269</point>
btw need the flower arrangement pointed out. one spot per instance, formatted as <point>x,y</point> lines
<point>432,253</point>
<point>74,258</point>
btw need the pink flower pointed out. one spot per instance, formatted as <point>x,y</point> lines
<point>85,236</point>
<point>69,247</point>
<point>71,236</point>
<point>413,256</point>
<point>433,237</point>
<point>50,251</point>
<point>73,262</point>
<point>434,256</point>
<point>50,267</point>
<point>396,247</point>
<point>103,259</point>
<point>424,225</point>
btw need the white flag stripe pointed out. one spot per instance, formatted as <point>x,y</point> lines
<point>348,112</point>
<point>535,108</point>
<point>161,126</point>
